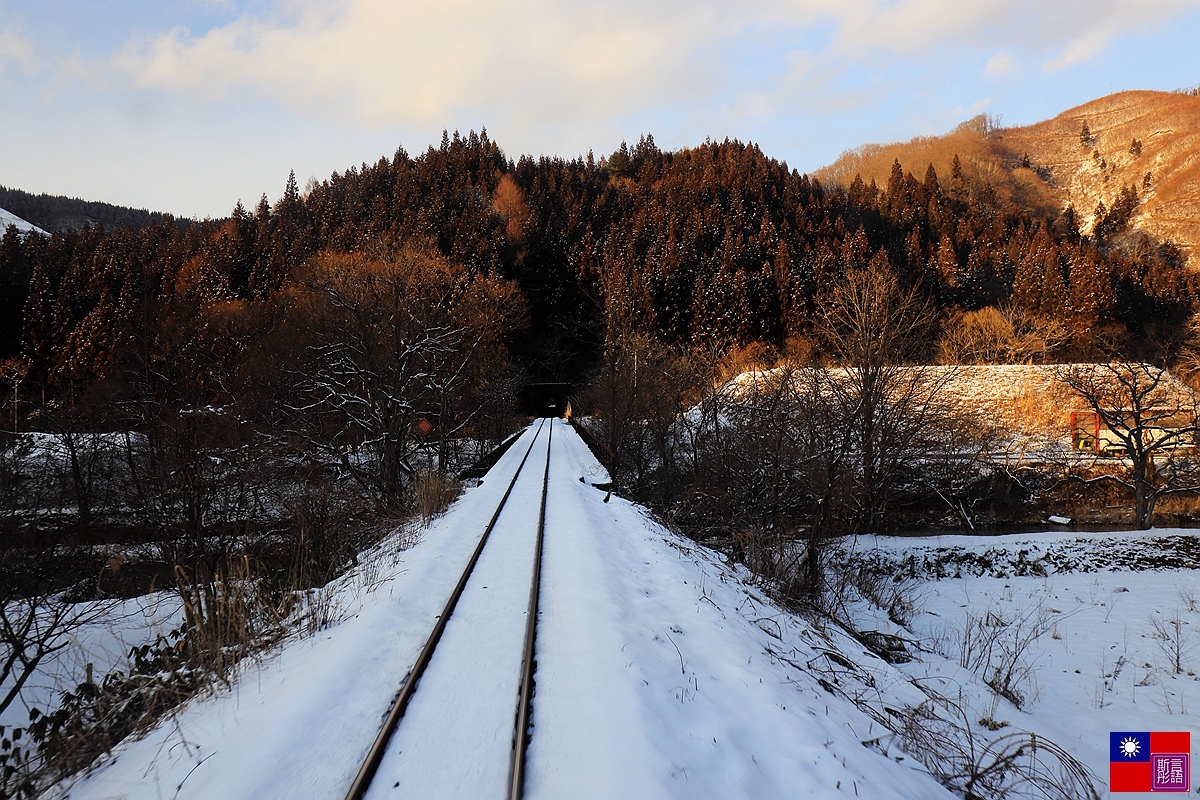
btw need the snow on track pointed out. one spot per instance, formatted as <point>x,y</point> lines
<point>653,679</point>
<point>659,674</point>
<point>455,739</point>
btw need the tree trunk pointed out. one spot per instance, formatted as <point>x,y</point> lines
<point>1144,500</point>
<point>1144,493</point>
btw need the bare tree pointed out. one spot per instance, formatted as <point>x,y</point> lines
<point>642,395</point>
<point>894,409</point>
<point>387,343</point>
<point>13,371</point>
<point>804,454</point>
<point>36,618</point>
<point>785,464</point>
<point>36,621</point>
<point>1151,418</point>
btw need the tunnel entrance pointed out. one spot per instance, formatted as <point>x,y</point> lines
<point>545,399</point>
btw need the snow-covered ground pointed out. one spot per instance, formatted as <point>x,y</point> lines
<point>8,218</point>
<point>663,672</point>
<point>104,637</point>
<point>1106,618</point>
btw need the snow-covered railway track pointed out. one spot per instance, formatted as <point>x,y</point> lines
<point>449,740</point>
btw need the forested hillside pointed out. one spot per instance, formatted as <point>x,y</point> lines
<point>718,244</point>
<point>59,214</point>
<point>1126,164</point>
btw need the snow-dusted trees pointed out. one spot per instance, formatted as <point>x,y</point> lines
<point>639,392</point>
<point>1151,418</point>
<point>395,351</point>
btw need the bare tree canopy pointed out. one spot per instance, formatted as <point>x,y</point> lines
<point>1153,418</point>
<point>387,342</point>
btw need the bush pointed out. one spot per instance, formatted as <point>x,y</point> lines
<point>1017,765</point>
<point>434,492</point>
<point>94,717</point>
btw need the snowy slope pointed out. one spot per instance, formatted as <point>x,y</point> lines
<point>1116,609</point>
<point>663,673</point>
<point>8,218</point>
<point>660,674</point>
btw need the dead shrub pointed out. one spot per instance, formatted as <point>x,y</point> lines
<point>938,733</point>
<point>1173,639</point>
<point>778,560</point>
<point>998,647</point>
<point>895,594</point>
<point>219,619</point>
<point>434,492</point>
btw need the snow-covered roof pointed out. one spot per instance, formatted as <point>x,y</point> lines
<point>1026,397</point>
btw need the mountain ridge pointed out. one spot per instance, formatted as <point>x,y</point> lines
<point>1147,140</point>
<point>61,214</point>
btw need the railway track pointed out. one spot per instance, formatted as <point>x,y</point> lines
<point>431,737</point>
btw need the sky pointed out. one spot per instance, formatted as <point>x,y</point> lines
<point>187,106</point>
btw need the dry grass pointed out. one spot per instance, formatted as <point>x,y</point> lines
<point>226,616</point>
<point>434,493</point>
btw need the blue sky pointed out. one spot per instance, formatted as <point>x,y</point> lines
<point>187,106</point>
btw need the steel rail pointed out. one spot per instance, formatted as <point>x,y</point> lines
<point>528,664</point>
<point>370,766</point>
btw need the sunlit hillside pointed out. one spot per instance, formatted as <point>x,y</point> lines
<point>1149,141</point>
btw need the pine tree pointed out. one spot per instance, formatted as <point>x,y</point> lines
<point>945,266</point>
<point>956,173</point>
<point>37,339</point>
<point>932,186</point>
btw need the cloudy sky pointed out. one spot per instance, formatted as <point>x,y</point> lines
<point>187,106</point>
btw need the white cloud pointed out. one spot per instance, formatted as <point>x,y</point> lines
<point>16,49</point>
<point>424,60</point>
<point>999,65</point>
<point>1079,51</point>
<point>420,61</point>
<point>891,47</point>
<point>566,75</point>
<point>1071,30</point>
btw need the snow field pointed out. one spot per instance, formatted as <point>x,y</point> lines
<point>1105,658</point>
<point>664,673</point>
